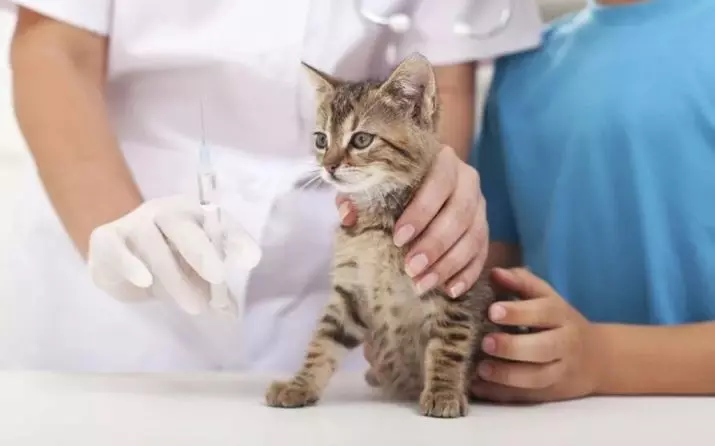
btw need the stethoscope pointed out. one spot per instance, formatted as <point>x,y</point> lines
<point>400,23</point>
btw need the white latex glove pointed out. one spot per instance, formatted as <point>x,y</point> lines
<point>161,250</point>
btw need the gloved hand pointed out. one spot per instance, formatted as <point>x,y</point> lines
<point>162,250</point>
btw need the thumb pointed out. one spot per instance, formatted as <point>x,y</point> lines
<point>241,247</point>
<point>340,198</point>
<point>523,282</point>
<point>346,210</point>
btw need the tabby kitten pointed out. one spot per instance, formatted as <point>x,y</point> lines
<point>376,141</point>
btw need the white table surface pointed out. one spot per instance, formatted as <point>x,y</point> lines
<point>222,409</point>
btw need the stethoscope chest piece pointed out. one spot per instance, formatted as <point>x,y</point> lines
<point>399,23</point>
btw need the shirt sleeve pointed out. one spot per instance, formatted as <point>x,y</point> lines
<point>90,15</point>
<point>488,158</point>
<point>432,30</point>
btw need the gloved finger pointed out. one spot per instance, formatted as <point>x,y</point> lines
<point>111,259</point>
<point>153,248</point>
<point>222,300</point>
<point>193,244</point>
<point>199,285</point>
<point>119,288</point>
<point>240,246</point>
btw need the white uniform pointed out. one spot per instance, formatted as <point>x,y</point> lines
<point>243,58</point>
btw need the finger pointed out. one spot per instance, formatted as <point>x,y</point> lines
<point>109,252</point>
<point>340,198</point>
<point>221,299</point>
<point>465,279</point>
<point>521,374</point>
<point>443,232</point>
<point>456,259</point>
<point>239,246</point>
<point>346,210</point>
<point>218,295</point>
<point>543,312</point>
<point>469,275</point>
<point>153,249</point>
<point>434,192</point>
<point>540,347</point>
<point>198,284</point>
<point>121,289</point>
<point>500,393</point>
<point>522,281</point>
<point>194,245</point>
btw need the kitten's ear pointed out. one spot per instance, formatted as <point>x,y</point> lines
<point>413,77</point>
<point>322,82</point>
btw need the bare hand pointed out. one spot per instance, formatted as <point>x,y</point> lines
<point>559,362</point>
<point>445,225</point>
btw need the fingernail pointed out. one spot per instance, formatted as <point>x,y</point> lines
<point>416,265</point>
<point>344,210</point>
<point>489,345</point>
<point>497,312</point>
<point>427,283</point>
<point>505,272</point>
<point>456,290</point>
<point>485,370</point>
<point>403,235</point>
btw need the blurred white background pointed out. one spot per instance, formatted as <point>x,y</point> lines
<point>12,152</point>
<point>13,155</point>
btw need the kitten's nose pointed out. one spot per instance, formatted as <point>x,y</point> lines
<point>332,167</point>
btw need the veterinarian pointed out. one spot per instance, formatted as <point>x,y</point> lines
<point>597,157</point>
<point>110,267</point>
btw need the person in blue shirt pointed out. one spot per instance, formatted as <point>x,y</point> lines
<point>597,163</point>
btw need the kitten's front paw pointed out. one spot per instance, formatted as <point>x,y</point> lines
<point>443,404</point>
<point>290,394</point>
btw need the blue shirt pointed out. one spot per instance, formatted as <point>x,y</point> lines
<point>597,157</point>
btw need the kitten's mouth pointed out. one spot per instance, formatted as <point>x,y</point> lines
<point>370,187</point>
<point>350,181</point>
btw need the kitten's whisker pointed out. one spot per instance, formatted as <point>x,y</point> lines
<point>310,182</point>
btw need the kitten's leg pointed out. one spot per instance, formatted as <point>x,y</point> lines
<point>447,361</point>
<point>340,330</point>
<point>371,378</point>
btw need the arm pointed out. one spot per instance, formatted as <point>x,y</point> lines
<point>489,160</point>
<point>457,97</point>
<point>58,76</point>
<point>657,360</point>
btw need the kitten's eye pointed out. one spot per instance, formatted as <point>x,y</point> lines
<point>321,140</point>
<point>361,140</point>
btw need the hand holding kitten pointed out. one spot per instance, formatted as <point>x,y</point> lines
<point>563,361</point>
<point>446,225</point>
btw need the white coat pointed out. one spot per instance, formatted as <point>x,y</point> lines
<point>243,58</point>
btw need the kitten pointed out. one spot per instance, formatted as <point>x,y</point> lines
<point>376,142</point>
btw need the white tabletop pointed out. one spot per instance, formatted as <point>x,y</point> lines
<point>210,409</point>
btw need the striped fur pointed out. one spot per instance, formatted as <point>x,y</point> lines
<point>424,346</point>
